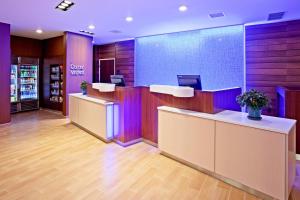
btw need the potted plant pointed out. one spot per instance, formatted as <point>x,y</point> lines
<point>83,87</point>
<point>254,101</point>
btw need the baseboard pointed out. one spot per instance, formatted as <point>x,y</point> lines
<point>297,156</point>
<point>126,144</point>
<point>150,142</point>
<point>93,134</point>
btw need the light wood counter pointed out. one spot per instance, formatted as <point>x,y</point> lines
<point>94,115</point>
<point>258,156</point>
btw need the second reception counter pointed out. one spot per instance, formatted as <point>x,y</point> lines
<point>258,156</point>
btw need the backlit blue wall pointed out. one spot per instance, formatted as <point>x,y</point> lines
<point>216,54</point>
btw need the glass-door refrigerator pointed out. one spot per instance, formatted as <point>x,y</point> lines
<point>28,82</point>
<point>14,84</point>
<point>24,84</point>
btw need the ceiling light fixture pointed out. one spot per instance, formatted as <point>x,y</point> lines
<point>182,8</point>
<point>92,27</point>
<point>67,2</point>
<point>64,5</point>
<point>86,32</point>
<point>129,19</point>
<point>39,31</point>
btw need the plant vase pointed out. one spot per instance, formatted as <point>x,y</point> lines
<point>84,91</point>
<point>254,113</point>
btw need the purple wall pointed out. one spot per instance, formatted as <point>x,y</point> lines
<point>4,73</point>
<point>79,52</point>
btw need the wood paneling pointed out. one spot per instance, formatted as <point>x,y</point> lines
<point>138,107</point>
<point>128,100</point>
<point>26,47</point>
<point>123,52</point>
<point>53,53</point>
<point>203,101</point>
<point>273,58</point>
<point>5,59</point>
<point>289,106</point>
<point>54,47</point>
<point>125,60</point>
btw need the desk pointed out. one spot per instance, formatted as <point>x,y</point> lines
<point>94,115</point>
<point>258,156</point>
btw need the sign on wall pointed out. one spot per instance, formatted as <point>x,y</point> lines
<point>77,70</point>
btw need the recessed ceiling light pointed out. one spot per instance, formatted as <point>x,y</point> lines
<point>65,5</point>
<point>92,27</point>
<point>61,7</point>
<point>129,19</point>
<point>182,8</point>
<point>39,31</point>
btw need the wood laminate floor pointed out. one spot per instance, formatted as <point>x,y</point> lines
<point>43,157</point>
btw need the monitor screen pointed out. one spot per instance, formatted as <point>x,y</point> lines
<point>193,81</point>
<point>118,80</point>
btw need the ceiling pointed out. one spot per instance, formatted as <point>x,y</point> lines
<point>150,17</point>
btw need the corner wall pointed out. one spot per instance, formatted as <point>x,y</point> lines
<point>79,52</point>
<point>5,73</point>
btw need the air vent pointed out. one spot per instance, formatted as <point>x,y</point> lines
<point>276,16</point>
<point>116,31</point>
<point>216,15</point>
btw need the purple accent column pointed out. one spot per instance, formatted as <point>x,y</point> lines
<point>4,73</point>
<point>79,52</point>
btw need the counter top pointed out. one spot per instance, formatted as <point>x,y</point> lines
<point>104,87</point>
<point>176,91</point>
<point>94,100</point>
<point>274,124</point>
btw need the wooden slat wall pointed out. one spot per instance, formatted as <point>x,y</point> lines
<point>123,52</point>
<point>273,58</point>
<point>125,60</point>
<point>26,47</point>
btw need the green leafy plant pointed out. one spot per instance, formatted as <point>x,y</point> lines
<point>83,85</point>
<point>253,99</point>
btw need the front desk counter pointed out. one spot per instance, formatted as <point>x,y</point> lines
<point>257,156</point>
<point>93,115</point>
<point>138,116</point>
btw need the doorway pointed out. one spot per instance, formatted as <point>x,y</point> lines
<point>106,68</point>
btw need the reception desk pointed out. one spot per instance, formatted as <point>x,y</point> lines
<point>138,116</point>
<point>258,156</point>
<point>93,115</point>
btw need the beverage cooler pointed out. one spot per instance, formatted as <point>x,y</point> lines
<point>24,84</point>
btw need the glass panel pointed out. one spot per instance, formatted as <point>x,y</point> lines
<point>14,83</point>
<point>28,82</point>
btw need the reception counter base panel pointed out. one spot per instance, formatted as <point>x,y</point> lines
<point>258,157</point>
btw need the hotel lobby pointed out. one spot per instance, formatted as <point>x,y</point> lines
<point>175,99</point>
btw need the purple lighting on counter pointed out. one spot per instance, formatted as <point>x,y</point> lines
<point>110,121</point>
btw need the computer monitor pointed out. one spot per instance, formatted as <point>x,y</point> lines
<point>118,80</point>
<point>193,81</point>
